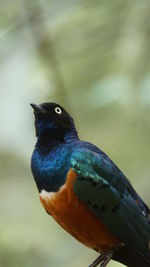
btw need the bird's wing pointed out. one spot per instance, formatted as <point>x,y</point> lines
<point>110,200</point>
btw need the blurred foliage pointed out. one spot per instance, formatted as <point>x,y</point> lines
<point>92,57</point>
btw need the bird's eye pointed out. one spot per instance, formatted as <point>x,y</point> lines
<point>58,110</point>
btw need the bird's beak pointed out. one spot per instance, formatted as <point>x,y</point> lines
<point>38,108</point>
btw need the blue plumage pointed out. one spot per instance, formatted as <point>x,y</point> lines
<point>43,168</point>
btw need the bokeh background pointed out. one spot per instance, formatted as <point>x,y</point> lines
<point>93,57</point>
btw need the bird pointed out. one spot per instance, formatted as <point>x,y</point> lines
<point>86,193</point>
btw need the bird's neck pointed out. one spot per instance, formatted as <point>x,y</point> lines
<point>70,135</point>
<point>53,137</point>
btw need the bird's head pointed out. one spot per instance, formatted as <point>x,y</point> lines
<point>53,120</point>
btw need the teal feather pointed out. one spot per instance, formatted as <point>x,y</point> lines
<point>110,200</point>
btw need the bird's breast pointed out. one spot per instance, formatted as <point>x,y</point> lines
<point>76,218</point>
<point>50,170</point>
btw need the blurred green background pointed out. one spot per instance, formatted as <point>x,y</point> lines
<point>93,57</point>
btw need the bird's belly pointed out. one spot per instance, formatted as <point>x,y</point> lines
<point>76,218</point>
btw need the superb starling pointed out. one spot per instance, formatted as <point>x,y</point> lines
<point>86,193</point>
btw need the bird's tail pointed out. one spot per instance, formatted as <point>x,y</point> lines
<point>130,257</point>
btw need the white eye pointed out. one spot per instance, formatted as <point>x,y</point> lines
<point>58,110</point>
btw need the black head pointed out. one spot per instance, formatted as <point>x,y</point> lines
<point>52,119</point>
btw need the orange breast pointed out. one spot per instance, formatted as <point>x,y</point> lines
<point>75,217</point>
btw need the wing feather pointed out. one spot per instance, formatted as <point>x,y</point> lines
<point>114,205</point>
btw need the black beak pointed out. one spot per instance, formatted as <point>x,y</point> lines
<point>38,108</point>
